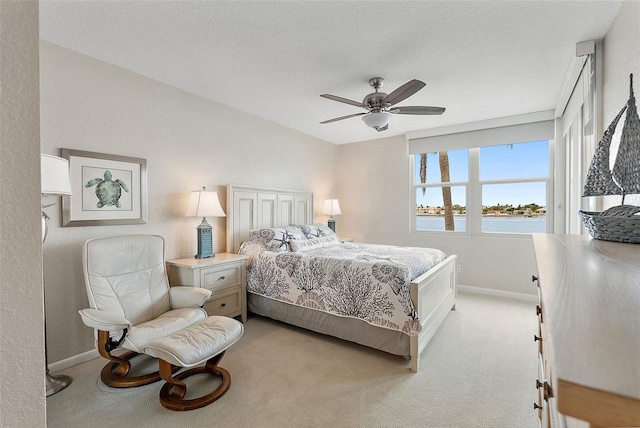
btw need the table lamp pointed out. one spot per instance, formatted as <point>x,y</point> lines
<point>54,180</point>
<point>331,208</point>
<point>204,204</point>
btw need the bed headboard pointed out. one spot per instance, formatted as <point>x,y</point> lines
<point>250,208</point>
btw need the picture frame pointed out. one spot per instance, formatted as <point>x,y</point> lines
<point>106,189</point>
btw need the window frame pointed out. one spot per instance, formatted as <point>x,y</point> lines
<point>473,218</point>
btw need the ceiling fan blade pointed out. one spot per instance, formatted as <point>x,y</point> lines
<point>342,117</point>
<point>342,100</point>
<point>417,110</point>
<point>404,92</point>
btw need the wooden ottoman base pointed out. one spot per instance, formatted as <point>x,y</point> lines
<point>173,391</point>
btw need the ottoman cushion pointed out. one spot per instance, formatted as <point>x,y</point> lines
<point>196,343</point>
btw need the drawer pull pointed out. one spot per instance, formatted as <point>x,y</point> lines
<point>538,310</point>
<point>536,338</point>
<point>223,305</point>
<point>534,278</point>
<point>536,406</point>
<point>539,384</point>
<point>222,278</point>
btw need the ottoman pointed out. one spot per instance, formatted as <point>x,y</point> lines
<point>206,340</point>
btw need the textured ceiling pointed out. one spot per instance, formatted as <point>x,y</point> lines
<point>479,59</point>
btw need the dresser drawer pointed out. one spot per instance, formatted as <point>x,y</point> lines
<point>226,303</point>
<point>220,277</point>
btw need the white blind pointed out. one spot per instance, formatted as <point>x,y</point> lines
<point>510,134</point>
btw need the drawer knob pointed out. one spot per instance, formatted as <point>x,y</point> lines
<point>222,278</point>
<point>538,310</point>
<point>536,406</point>
<point>534,278</point>
<point>536,338</point>
<point>539,384</point>
<point>223,305</point>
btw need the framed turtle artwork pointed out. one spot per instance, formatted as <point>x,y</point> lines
<point>106,189</point>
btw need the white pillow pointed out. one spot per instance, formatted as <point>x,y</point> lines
<point>312,244</point>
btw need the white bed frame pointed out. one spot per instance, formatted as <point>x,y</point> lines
<point>249,208</point>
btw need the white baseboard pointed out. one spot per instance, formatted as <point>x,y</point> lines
<point>498,293</point>
<point>72,361</point>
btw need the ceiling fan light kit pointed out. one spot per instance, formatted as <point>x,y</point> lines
<point>379,104</point>
<point>376,120</point>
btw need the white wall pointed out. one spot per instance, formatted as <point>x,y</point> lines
<point>22,396</point>
<point>621,52</point>
<point>188,142</point>
<point>374,192</point>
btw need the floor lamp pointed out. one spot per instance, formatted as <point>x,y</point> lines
<point>54,180</point>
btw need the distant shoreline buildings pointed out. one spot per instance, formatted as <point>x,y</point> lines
<point>525,212</point>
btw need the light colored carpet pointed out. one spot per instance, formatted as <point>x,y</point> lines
<point>478,371</point>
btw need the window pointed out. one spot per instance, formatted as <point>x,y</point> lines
<point>513,178</point>
<point>491,189</point>
<point>441,202</point>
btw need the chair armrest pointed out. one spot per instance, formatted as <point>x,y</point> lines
<point>102,320</point>
<point>188,297</point>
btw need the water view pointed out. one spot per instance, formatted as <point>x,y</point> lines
<point>489,224</point>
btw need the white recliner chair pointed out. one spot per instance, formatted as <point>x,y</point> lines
<point>133,307</point>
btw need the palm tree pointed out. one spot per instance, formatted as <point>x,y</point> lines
<point>443,158</point>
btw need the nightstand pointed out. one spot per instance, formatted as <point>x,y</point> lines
<point>224,275</point>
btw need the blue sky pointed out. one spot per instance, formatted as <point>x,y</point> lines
<point>523,160</point>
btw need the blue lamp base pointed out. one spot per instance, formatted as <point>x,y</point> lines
<point>332,224</point>
<point>205,240</point>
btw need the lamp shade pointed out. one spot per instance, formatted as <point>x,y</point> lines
<point>54,175</point>
<point>376,120</point>
<point>204,204</point>
<point>331,207</point>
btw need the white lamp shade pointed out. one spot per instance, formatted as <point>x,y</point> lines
<point>204,204</point>
<point>331,207</point>
<point>54,175</point>
<point>376,120</point>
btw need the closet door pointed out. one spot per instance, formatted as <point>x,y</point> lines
<point>579,141</point>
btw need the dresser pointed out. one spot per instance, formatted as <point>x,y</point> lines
<point>588,331</point>
<point>224,275</point>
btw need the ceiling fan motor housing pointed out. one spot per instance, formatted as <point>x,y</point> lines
<point>374,100</point>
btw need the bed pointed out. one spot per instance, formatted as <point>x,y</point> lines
<point>299,272</point>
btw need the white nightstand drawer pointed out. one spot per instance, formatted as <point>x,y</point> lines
<point>223,274</point>
<point>224,303</point>
<point>215,278</point>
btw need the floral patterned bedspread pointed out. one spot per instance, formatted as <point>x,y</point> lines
<point>365,281</point>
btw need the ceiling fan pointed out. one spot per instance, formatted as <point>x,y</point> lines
<point>380,105</point>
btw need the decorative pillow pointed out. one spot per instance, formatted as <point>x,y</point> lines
<point>316,230</point>
<point>277,239</point>
<point>312,244</point>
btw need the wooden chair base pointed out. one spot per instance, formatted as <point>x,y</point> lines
<point>114,374</point>
<point>173,391</point>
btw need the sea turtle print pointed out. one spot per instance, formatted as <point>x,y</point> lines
<point>108,191</point>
